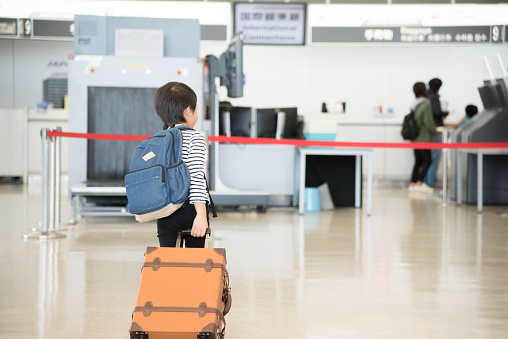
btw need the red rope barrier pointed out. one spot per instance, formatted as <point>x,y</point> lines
<point>97,136</point>
<point>295,142</point>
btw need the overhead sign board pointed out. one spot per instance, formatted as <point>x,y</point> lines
<point>53,28</point>
<point>270,23</point>
<point>8,26</point>
<point>498,34</point>
<point>26,28</point>
<point>414,34</point>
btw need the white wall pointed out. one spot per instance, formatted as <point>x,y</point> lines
<point>34,62</point>
<point>363,76</point>
<point>6,73</point>
<point>24,64</point>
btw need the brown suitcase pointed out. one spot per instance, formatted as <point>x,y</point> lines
<point>184,293</point>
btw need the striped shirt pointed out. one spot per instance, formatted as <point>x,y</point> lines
<point>193,155</point>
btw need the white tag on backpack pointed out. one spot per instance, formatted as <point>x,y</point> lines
<point>148,156</point>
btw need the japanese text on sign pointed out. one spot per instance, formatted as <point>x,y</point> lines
<point>271,23</point>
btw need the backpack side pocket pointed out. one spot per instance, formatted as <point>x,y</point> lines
<point>146,189</point>
<point>178,183</point>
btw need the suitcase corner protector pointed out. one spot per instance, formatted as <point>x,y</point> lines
<point>135,327</point>
<point>150,250</point>
<point>220,251</point>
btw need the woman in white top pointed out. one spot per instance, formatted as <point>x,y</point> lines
<point>175,103</point>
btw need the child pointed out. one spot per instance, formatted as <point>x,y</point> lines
<point>471,110</point>
<point>175,103</point>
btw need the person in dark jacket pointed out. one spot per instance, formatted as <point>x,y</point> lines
<point>424,118</point>
<point>433,95</point>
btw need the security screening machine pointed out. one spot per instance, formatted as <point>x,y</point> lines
<point>112,93</point>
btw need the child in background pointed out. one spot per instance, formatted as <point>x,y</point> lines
<point>471,110</point>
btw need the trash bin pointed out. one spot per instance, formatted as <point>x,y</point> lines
<point>312,203</point>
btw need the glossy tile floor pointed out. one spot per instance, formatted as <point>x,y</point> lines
<point>414,269</point>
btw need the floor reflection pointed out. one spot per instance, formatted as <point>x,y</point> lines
<point>414,268</point>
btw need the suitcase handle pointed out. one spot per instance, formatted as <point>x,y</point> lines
<point>186,233</point>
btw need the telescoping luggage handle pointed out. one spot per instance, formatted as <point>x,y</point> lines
<point>187,233</point>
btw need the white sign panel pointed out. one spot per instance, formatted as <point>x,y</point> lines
<point>271,24</point>
<point>139,42</point>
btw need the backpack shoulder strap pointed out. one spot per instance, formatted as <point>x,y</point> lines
<point>212,205</point>
<point>183,128</point>
<point>161,133</point>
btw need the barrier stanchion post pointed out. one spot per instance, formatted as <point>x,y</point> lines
<point>58,179</point>
<point>445,167</point>
<point>45,232</point>
<point>58,173</point>
<point>51,185</point>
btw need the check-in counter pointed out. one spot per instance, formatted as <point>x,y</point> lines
<point>21,146</point>
<point>12,160</point>
<point>389,164</point>
<point>269,168</point>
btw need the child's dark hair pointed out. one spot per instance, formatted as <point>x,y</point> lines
<point>171,100</point>
<point>471,110</point>
<point>420,90</point>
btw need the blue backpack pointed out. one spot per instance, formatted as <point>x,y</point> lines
<point>158,180</point>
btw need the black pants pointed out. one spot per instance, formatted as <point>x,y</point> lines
<point>423,158</point>
<point>182,219</point>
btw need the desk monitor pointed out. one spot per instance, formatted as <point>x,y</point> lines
<point>239,121</point>
<point>266,122</point>
<point>489,96</point>
<point>502,93</point>
<point>233,59</point>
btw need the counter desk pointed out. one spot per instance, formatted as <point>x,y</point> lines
<point>358,153</point>
<point>389,164</point>
<point>480,153</point>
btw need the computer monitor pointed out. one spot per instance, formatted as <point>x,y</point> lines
<point>266,122</point>
<point>502,93</point>
<point>233,59</point>
<point>489,96</point>
<point>240,119</point>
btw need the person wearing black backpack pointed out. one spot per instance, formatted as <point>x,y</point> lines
<point>424,119</point>
<point>175,103</point>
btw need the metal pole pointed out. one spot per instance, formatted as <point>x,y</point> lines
<point>58,182</point>
<point>46,154</point>
<point>358,181</point>
<point>301,191</point>
<point>369,184</point>
<point>458,170</point>
<point>51,185</point>
<point>44,232</point>
<point>445,167</point>
<point>479,180</point>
